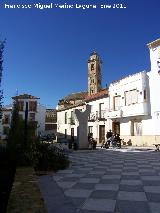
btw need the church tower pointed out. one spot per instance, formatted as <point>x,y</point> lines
<point>94,74</point>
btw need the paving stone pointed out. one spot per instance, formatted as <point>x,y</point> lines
<point>132,207</point>
<point>84,186</point>
<point>93,176</point>
<point>67,171</point>
<point>147,170</point>
<point>131,182</point>
<point>100,176</point>
<point>75,175</point>
<point>155,207</point>
<point>78,202</point>
<point>132,196</point>
<point>111,177</point>
<point>69,179</point>
<point>97,172</point>
<point>109,181</point>
<point>57,178</point>
<point>130,177</point>
<point>130,188</point>
<point>130,170</point>
<point>114,170</point>
<point>89,180</point>
<point>99,205</point>
<point>81,193</point>
<point>151,183</point>
<point>66,184</point>
<point>148,173</point>
<point>154,189</point>
<point>112,187</point>
<point>104,194</point>
<point>151,178</point>
<point>153,197</point>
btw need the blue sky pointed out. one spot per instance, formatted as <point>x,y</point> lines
<point>47,50</point>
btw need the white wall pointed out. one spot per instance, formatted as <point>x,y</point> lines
<point>40,117</point>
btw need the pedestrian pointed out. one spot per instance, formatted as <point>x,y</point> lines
<point>109,134</point>
<point>109,137</point>
<point>118,140</point>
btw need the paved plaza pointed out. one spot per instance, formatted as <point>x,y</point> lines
<point>111,181</point>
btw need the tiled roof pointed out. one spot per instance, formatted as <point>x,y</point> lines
<point>71,106</point>
<point>76,96</point>
<point>6,110</point>
<point>103,92</point>
<point>24,96</point>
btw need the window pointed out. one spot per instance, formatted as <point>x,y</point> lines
<point>32,116</point>
<point>101,110</point>
<point>72,118</point>
<point>116,103</point>
<point>50,126</point>
<point>131,97</point>
<point>92,66</point>
<point>92,91</point>
<point>20,105</point>
<point>65,136</point>
<point>33,106</point>
<point>65,117</point>
<point>145,95</point>
<point>136,128</point>
<point>6,119</point>
<point>90,129</point>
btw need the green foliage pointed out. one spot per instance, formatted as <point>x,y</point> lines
<point>19,150</point>
<point>48,157</point>
<point>27,151</point>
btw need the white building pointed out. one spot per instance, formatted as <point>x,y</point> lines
<point>36,113</point>
<point>129,106</point>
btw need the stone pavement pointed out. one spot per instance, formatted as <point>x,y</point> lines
<point>111,181</point>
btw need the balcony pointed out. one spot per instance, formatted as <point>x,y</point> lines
<point>136,109</point>
<point>71,121</point>
<point>114,114</point>
<point>102,115</point>
<point>131,110</point>
<point>92,117</point>
<point>98,115</point>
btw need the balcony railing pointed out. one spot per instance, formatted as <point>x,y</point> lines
<point>71,121</point>
<point>101,115</point>
<point>98,115</point>
<point>92,117</point>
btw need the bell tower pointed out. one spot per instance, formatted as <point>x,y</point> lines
<point>94,74</point>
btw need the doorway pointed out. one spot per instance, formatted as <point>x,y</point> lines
<point>101,133</point>
<point>72,134</point>
<point>116,127</point>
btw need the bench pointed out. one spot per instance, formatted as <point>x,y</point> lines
<point>157,147</point>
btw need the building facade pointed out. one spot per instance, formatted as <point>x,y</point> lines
<point>36,113</point>
<point>51,122</point>
<point>129,106</point>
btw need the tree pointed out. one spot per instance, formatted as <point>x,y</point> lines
<point>16,132</point>
<point>2,45</point>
